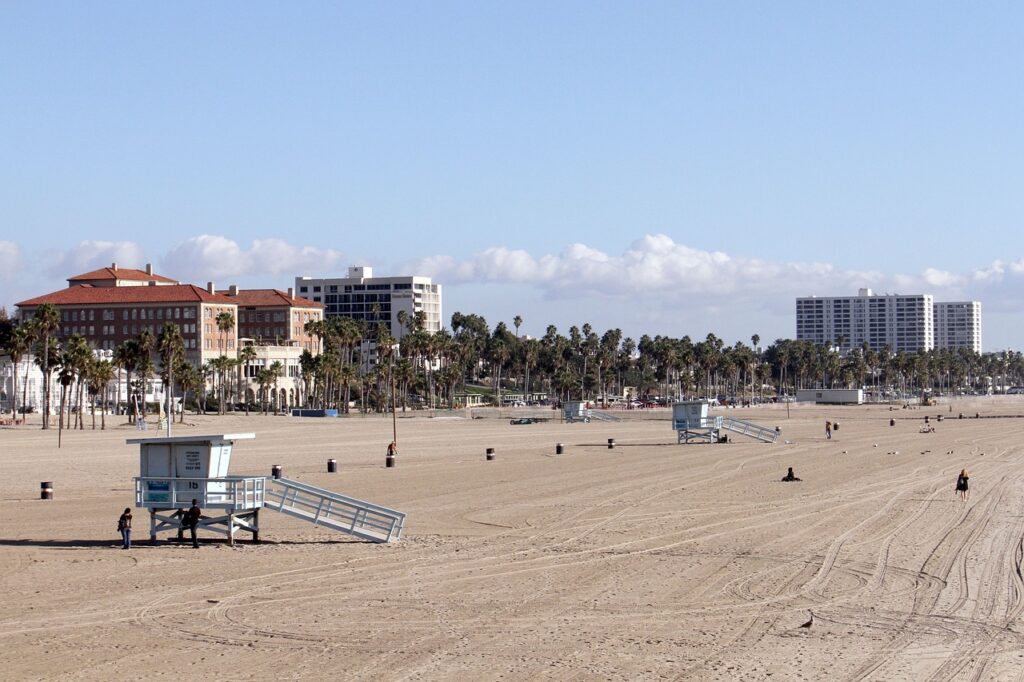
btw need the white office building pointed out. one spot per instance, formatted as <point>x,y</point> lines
<point>958,325</point>
<point>362,296</point>
<point>903,323</point>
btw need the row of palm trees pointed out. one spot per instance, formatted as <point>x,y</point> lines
<point>80,373</point>
<point>424,368</point>
<point>433,368</point>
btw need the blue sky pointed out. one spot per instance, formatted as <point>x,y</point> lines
<point>669,168</point>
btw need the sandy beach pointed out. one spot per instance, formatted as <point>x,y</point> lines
<point>651,560</point>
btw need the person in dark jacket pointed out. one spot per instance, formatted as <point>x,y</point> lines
<point>962,486</point>
<point>790,476</point>
<point>124,526</point>
<point>191,519</point>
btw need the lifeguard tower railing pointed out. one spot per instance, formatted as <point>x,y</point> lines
<point>699,423</point>
<point>340,512</point>
<point>229,492</point>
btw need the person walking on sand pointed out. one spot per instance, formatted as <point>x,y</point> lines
<point>392,449</point>
<point>124,526</point>
<point>962,485</point>
<point>790,476</point>
<point>191,519</point>
<point>828,430</point>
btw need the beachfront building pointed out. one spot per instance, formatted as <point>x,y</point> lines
<point>958,325</point>
<point>288,389</point>
<point>270,317</point>
<point>107,316</point>
<point>273,323</point>
<point>30,384</point>
<point>903,323</point>
<point>361,296</point>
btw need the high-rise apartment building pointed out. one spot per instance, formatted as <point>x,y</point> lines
<point>958,325</point>
<point>903,323</point>
<point>362,296</point>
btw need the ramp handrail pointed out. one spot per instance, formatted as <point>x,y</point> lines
<point>746,428</point>
<point>339,512</point>
<point>604,416</point>
<point>226,492</point>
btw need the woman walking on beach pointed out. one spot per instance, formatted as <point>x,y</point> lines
<point>828,430</point>
<point>961,484</point>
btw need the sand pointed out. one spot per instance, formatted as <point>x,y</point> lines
<point>649,561</point>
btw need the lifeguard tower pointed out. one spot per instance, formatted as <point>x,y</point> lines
<point>692,424</point>
<point>576,411</point>
<point>174,471</point>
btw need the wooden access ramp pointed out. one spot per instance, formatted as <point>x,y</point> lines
<point>746,428</point>
<point>331,510</point>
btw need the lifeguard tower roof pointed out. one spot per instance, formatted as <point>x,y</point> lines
<point>217,438</point>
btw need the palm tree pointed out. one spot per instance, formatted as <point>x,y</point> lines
<point>277,369</point>
<point>225,323</point>
<point>19,343</point>
<point>245,356</point>
<point>47,319</point>
<point>65,376</point>
<point>146,342</point>
<point>171,347</point>
<point>79,358</point>
<point>99,383</point>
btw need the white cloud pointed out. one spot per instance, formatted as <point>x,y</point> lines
<point>93,254</point>
<point>656,266</point>
<point>10,260</point>
<point>212,257</point>
<point>653,263</point>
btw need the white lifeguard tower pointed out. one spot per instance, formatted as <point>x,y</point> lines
<point>576,411</point>
<point>174,471</point>
<point>691,422</point>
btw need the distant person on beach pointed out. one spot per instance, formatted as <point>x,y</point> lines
<point>961,484</point>
<point>790,476</point>
<point>828,430</point>
<point>392,449</point>
<point>124,526</point>
<point>191,520</point>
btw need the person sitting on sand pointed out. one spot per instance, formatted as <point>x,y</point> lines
<point>961,484</point>
<point>790,476</point>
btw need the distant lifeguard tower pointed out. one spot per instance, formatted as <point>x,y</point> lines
<point>576,411</point>
<point>691,423</point>
<point>174,471</point>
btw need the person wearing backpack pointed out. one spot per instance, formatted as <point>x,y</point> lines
<point>191,519</point>
<point>124,527</point>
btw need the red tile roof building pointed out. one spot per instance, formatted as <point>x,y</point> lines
<point>120,277</point>
<point>273,317</point>
<point>109,316</point>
